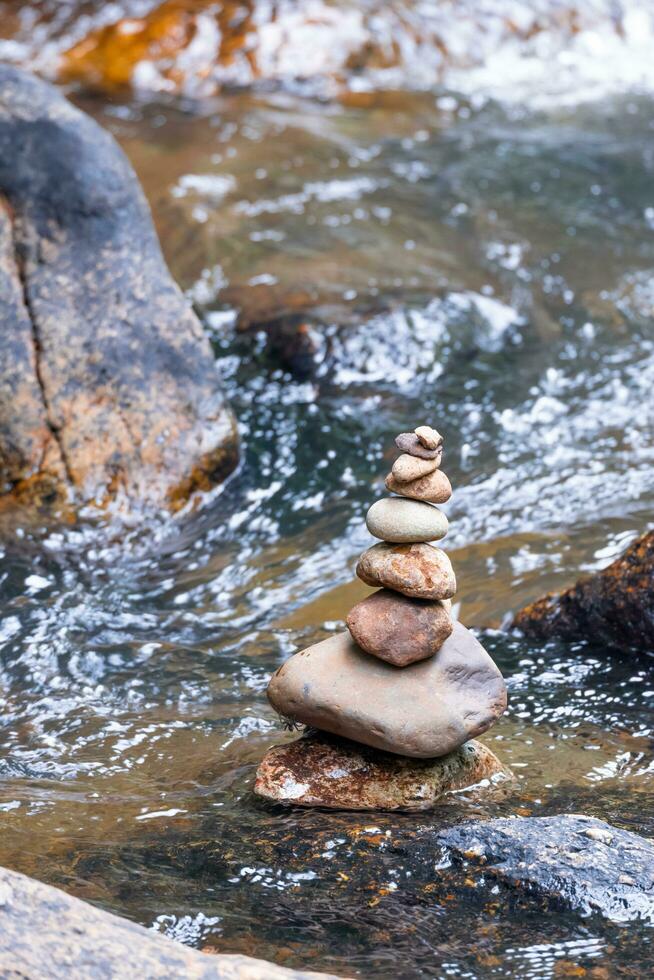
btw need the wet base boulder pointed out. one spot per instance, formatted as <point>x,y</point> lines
<point>48,935</point>
<point>580,862</point>
<point>614,606</point>
<point>325,771</point>
<point>108,386</point>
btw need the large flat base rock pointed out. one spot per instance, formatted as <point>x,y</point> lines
<point>424,710</point>
<point>324,771</point>
<point>580,862</point>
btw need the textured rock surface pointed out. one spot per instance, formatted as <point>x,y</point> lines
<point>408,442</point>
<point>403,521</point>
<point>407,468</point>
<point>321,770</point>
<point>417,570</point>
<point>107,383</point>
<point>397,629</point>
<point>578,861</point>
<point>422,711</point>
<point>48,935</point>
<point>434,488</point>
<point>614,606</point>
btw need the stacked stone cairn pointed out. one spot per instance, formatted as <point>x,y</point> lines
<point>391,704</point>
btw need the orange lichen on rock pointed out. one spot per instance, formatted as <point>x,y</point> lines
<point>109,56</point>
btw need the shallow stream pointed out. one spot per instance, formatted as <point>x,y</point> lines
<point>488,269</point>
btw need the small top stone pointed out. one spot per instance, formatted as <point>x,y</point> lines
<point>408,442</point>
<point>428,437</point>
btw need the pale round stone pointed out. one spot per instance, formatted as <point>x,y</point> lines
<point>402,521</point>
<point>428,437</point>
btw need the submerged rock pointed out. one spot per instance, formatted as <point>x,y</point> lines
<point>614,606</point>
<point>108,386</point>
<point>425,710</point>
<point>320,770</point>
<point>579,861</point>
<point>45,933</point>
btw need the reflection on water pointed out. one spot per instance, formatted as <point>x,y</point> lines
<point>484,269</point>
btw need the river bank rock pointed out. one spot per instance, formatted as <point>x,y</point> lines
<point>108,386</point>
<point>321,770</point>
<point>397,629</point>
<point>614,606</point>
<point>48,935</point>
<point>422,711</point>
<point>420,571</point>
<point>577,861</point>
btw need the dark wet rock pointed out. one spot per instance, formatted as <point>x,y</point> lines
<point>109,386</point>
<point>425,710</point>
<point>417,570</point>
<point>583,863</point>
<point>48,935</point>
<point>397,629</point>
<point>614,606</point>
<point>320,770</point>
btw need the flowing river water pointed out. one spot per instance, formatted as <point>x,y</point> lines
<point>394,258</point>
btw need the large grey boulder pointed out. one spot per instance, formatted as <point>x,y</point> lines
<point>48,935</point>
<point>108,386</point>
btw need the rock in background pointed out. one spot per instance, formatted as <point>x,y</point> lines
<point>108,386</point>
<point>614,606</point>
